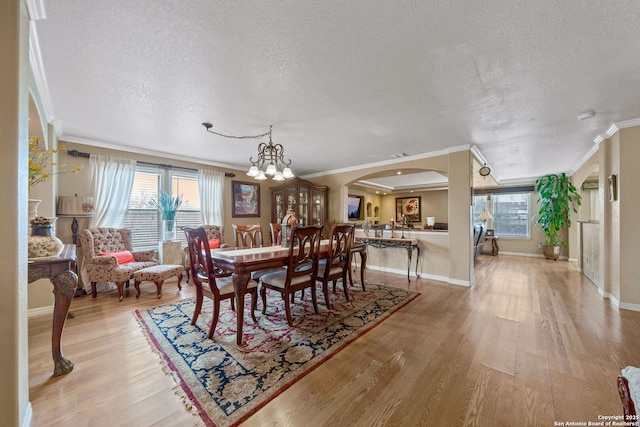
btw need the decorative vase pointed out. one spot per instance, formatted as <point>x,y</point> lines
<point>43,242</point>
<point>168,230</point>
<point>33,207</point>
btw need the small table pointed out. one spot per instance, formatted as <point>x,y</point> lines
<point>382,242</point>
<point>59,269</point>
<point>494,244</point>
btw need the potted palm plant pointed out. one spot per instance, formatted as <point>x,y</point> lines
<point>557,197</point>
<point>168,206</point>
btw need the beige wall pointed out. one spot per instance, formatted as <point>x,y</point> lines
<point>15,408</point>
<point>629,206</point>
<point>619,276</point>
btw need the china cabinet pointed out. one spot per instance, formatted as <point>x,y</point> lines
<point>309,201</point>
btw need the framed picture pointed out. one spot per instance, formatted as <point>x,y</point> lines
<point>355,207</point>
<point>613,189</point>
<point>409,207</point>
<point>489,232</point>
<point>245,200</point>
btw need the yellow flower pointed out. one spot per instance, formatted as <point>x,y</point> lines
<point>40,164</point>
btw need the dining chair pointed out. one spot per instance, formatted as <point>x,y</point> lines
<point>247,236</point>
<point>337,263</point>
<point>211,281</point>
<point>301,271</point>
<point>215,234</point>
<point>276,233</point>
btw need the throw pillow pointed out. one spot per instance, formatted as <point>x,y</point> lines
<point>213,244</point>
<point>123,257</point>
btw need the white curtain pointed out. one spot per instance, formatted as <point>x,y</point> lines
<point>211,189</point>
<point>112,181</point>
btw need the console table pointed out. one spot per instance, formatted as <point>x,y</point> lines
<point>495,249</point>
<point>59,269</point>
<point>382,242</point>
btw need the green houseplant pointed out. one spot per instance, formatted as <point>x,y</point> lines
<point>557,197</point>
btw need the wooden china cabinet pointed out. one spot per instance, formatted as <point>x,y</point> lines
<point>308,200</point>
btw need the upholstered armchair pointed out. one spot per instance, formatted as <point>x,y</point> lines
<point>106,257</point>
<point>215,236</point>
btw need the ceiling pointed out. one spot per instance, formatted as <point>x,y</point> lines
<point>344,83</point>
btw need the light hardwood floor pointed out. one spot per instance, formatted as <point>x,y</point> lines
<point>531,343</point>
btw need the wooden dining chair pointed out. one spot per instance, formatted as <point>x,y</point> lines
<point>211,281</point>
<point>301,271</point>
<point>247,236</point>
<point>337,263</point>
<point>276,233</point>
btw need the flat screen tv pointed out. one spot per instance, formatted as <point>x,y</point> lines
<point>355,208</point>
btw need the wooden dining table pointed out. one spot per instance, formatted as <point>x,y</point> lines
<point>242,262</point>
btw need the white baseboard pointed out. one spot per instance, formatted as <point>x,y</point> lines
<point>39,310</point>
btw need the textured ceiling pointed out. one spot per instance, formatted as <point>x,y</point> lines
<point>344,83</point>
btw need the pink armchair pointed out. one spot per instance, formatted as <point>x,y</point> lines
<point>106,268</point>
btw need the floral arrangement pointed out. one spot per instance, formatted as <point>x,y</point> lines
<point>167,205</point>
<point>40,163</point>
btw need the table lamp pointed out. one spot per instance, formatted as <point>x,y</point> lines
<point>74,206</point>
<point>431,220</point>
<point>485,215</point>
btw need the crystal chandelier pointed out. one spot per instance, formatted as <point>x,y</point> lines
<point>269,154</point>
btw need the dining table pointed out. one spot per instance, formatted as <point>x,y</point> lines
<point>242,262</point>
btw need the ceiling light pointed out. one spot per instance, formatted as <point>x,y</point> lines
<point>586,115</point>
<point>270,153</point>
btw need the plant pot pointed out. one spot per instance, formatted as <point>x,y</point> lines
<point>43,243</point>
<point>168,230</point>
<point>551,252</point>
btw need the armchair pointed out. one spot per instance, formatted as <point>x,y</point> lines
<point>106,268</point>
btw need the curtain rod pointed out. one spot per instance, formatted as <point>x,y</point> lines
<point>76,153</point>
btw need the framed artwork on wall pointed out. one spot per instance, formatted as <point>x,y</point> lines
<point>409,207</point>
<point>245,200</point>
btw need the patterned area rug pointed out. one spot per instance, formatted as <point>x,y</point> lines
<point>227,383</point>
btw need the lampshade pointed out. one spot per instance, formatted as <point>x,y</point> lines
<point>76,206</point>
<point>431,220</point>
<point>485,215</point>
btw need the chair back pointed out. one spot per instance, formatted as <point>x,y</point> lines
<point>276,233</point>
<point>214,232</point>
<point>341,239</point>
<point>304,249</point>
<point>202,268</point>
<point>247,236</point>
<point>96,241</point>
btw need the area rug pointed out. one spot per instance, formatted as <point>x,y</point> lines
<point>226,383</point>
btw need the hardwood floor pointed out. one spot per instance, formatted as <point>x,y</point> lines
<point>530,343</point>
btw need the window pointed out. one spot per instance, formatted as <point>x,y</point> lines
<point>510,211</point>
<point>511,214</point>
<point>144,220</point>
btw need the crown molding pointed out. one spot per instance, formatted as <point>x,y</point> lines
<point>390,162</point>
<point>136,150</point>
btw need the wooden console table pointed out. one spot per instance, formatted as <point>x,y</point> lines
<point>408,244</point>
<point>495,249</point>
<point>59,270</point>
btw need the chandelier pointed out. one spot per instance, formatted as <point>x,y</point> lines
<point>269,154</point>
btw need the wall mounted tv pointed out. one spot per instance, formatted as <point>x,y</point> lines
<point>355,208</point>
